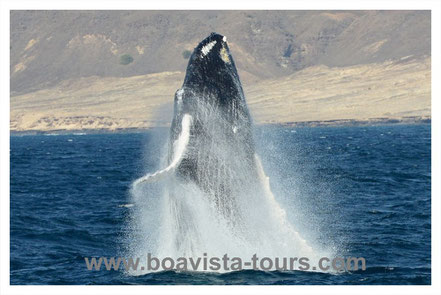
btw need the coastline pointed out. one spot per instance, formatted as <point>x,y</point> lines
<point>300,124</point>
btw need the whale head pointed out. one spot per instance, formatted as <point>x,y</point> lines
<point>211,72</point>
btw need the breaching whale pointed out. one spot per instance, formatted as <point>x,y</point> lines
<point>211,142</point>
<point>217,197</point>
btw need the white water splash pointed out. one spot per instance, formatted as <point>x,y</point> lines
<point>230,212</point>
<point>176,219</point>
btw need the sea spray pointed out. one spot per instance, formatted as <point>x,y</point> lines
<point>175,218</point>
<point>212,196</point>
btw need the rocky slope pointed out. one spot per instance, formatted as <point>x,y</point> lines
<point>48,47</point>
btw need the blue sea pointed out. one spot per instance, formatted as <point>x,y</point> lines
<point>366,189</point>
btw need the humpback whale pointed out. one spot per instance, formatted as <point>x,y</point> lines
<point>211,142</point>
<point>216,196</point>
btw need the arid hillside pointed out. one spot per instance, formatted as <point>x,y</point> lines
<point>111,70</point>
<point>48,47</point>
<point>398,90</point>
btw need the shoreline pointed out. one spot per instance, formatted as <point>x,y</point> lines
<point>301,124</point>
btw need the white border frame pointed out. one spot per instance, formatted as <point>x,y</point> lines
<point>7,5</point>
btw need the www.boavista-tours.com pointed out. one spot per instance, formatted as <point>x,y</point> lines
<point>225,263</point>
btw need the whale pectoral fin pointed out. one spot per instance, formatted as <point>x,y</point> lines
<point>153,177</point>
<point>180,146</point>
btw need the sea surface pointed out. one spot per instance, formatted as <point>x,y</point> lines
<point>366,190</point>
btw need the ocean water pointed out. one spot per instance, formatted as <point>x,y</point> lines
<point>363,191</point>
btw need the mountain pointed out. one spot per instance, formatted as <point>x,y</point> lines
<point>48,47</point>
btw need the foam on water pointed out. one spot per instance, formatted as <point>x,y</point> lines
<point>176,218</point>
